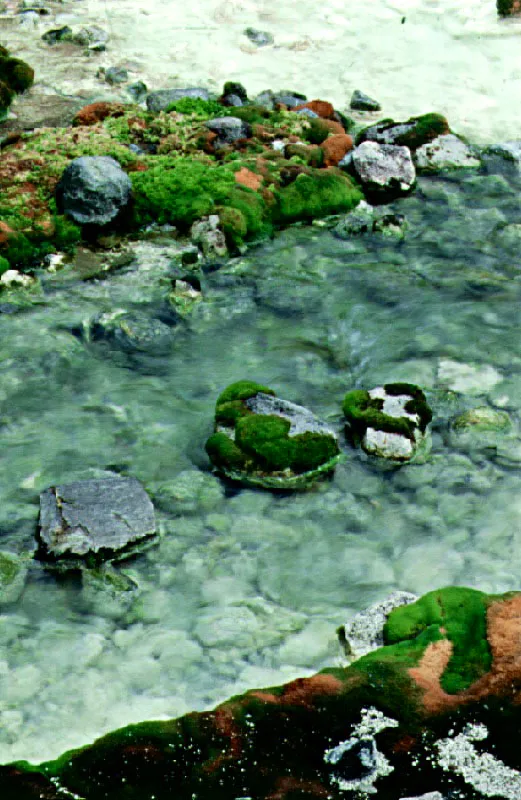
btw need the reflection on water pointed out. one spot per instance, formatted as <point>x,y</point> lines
<point>246,588</point>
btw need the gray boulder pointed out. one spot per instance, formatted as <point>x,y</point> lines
<point>158,101</point>
<point>385,171</point>
<point>446,152</point>
<point>93,190</point>
<point>228,130</point>
<point>107,518</point>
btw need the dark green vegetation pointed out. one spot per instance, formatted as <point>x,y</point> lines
<point>507,8</point>
<point>250,744</point>
<point>261,442</point>
<point>362,411</point>
<point>15,77</point>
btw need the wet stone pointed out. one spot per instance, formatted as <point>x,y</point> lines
<point>106,518</point>
<point>446,152</point>
<point>130,331</point>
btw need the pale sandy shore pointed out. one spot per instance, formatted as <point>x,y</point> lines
<point>452,56</point>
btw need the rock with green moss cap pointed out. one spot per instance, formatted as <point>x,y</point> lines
<point>390,422</point>
<point>262,440</point>
<point>413,133</point>
<point>434,711</point>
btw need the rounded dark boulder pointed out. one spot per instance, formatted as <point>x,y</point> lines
<point>93,190</point>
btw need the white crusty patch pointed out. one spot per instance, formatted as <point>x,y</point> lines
<point>394,404</point>
<point>372,722</point>
<point>482,771</point>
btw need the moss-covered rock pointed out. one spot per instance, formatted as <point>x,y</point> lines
<point>413,133</point>
<point>398,722</point>
<point>264,441</point>
<point>316,193</point>
<point>389,421</point>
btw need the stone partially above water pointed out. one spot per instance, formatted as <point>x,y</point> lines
<point>108,518</point>
<point>389,421</point>
<point>385,171</point>
<point>262,440</point>
<point>446,152</point>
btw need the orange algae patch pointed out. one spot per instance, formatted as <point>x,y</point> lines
<point>248,178</point>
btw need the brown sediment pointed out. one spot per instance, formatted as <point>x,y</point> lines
<point>303,691</point>
<point>502,680</point>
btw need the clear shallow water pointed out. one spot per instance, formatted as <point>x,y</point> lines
<point>246,588</point>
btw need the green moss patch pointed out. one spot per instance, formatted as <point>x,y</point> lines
<point>454,613</point>
<point>316,194</point>
<point>230,404</point>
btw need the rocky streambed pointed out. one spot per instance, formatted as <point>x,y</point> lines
<point>112,359</point>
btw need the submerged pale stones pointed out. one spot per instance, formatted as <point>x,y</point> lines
<point>106,518</point>
<point>400,723</point>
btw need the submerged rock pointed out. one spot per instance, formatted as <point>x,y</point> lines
<point>105,519</point>
<point>432,713</point>
<point>366,218</point>
<point>13,572</point>
<point>130,332</point>
<point>481,428</point>
<point>390,421</point>
<point>93,190</point>
<point>262,440</point>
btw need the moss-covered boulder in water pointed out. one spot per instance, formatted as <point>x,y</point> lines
<point>401,721</point>
<point>261,440</point>
<point>389,421</point>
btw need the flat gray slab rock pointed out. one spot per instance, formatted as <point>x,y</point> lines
<point>109,518</point>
